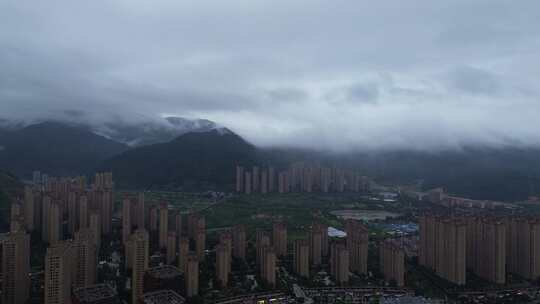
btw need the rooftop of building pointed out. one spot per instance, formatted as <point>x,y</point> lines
<point>60,248</point>
<point>95,293</point>
<point>164,272</point>
<point>162,297</point>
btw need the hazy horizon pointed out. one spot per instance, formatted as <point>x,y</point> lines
<point>352,75</point>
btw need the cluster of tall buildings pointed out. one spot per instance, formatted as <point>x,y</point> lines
<point>443,247</point>
<point>488,246</point>
<point>299,177</point>
<point>439,196</point>
<point>74,219</point>
<point>392,261</point>
<point>70,218</point>
<point>15,266</point>
<point>182,244</point>
<point>344,256</point>
<point>357,244</point>
<point>265,257</point>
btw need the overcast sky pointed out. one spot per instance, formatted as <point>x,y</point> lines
<point>326,74</point>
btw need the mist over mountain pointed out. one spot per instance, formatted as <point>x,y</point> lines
<point>199,154</point>
<point>136,134</point>
<point>56,148</point>
<point>196,160</point>
<point>132,131</point>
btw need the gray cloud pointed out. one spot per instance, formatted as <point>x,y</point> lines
<point>363,92</point>
<point>474,81</point>
<point>309,73</point>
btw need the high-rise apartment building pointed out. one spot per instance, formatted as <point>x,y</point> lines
<point>139,212</point>
<point>271,179</point>
<point>54,223</point>
<point>46,207</point>
<point>315,245</point>
<point>357,245</point>
<point>171,247</point>
<point>226,239</point>
<point>163,224</point>
<point>72,205</point>
<point>486,248</point>
<point>223,264</point>
<point>29,208</point>
<point>281,182</point>
<point>183,252</point>
<point>192,276</point>
<point>59,270</point>
<point>239,242</point>
<point>268,266</point>
<point>178,223</point>
<point>279,238</point>
<point>247,181</point>
<point>523,247</point>
<point>239,178</point>
<point>443,247</point>
<point>139,246</point>
<point>95,227</point>
<point>83,212</point>
<point>195,221</point>
<point>392,262</point>
<point>256,180</point>
<point>264,182</point>
<point>86,258</point>
<point>15,263</point>
<point>301,258</point>
<point>339,263</point>
<point>261,243</point>
<point>153,218</point>
<point>200,242</point>
<point>126,219</point>
<point>106,198</point>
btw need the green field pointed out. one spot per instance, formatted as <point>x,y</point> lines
<point>184,201</point>
<point>298,210</point>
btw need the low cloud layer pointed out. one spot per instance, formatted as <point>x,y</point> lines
<point>308,73</point>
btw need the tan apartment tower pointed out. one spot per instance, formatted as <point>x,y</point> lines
<point>239,178</point>
<point>339,263</point>
<point>279,238</point>
<point>15,263</point>
<point>192,275</point>
<point>183,252</point>
<point>29,208</point>
<point>301,258</point>
<point>315,246</point>
<point>163,224</point>
<point>139,247</point>
<point>268,266</point>
<point>239,242</point>
<point>486,248</point>
<point>84,248</point>
<point>392,262</point>
<point>95,226</point>
<point>255,186</point>
<point>223,265</point>
<point>171,247</point>
<point>357,245</point>
<point>83,212</point>
<point>59,265</point>
<point>523,246</point>
<point>126,220</point>
<point>262,241</point>
<point>247,183</point>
